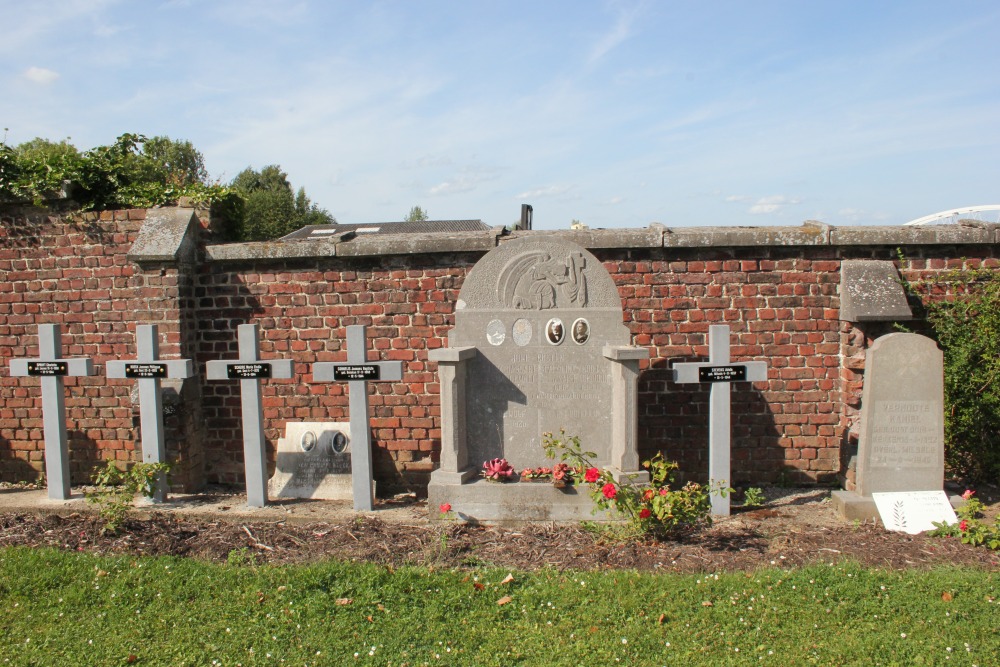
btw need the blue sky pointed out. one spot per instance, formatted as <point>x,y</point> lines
<point>616,114</point>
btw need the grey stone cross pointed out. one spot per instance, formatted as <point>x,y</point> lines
<point>720,373</point>
<point>51,369</point>
<point>357,372</point>
<point>250,369</point>
<point>148,369</point>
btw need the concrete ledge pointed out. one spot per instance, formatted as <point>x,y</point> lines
<point>810,233</point>
<point>248,252</point>
<point>513,503</point>
<point>871,291</point>
<point>452,354</point>
<point>414,244</point>
<point>165,236</point>
<point>650,237</point>
<point>965,232</point>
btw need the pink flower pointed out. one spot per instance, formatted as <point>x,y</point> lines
<point>968,494</point>
<point>663,491</point>
<point>591,475</point>
<point>963,525</point>
<point>644,513</point>
<point>445,508</point>
<point>610,491</point>
<point>497,470</point>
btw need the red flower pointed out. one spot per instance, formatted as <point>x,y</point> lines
<point>610,491</point>
<point>963,526</point>
<point>591,475</point>
<point>647,495</point>
<point>445,508</point>
<point>644,513</point>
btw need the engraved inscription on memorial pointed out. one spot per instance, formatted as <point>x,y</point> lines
<point>904,434</point>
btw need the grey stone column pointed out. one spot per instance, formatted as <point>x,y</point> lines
<point>624,411</point>
<point>451,362</point>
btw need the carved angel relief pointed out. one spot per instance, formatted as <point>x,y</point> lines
<point>535,281</point>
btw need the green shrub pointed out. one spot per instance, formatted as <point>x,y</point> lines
<point>962,308</point>
<point>653,508</point>
<point>116,489</point>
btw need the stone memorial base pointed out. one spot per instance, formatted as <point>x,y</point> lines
<point>511,503</point>
<point>313,461</point>
<point>855,507</point>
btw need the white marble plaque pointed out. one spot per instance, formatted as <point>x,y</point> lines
<point>314,461</point>
<point>913,511</point>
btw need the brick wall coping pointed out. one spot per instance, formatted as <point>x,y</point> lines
<point>811,233</point>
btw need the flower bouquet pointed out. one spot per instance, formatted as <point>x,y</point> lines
<point>497,470</point>
<point>540,474</point>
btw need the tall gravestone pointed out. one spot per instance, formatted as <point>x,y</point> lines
<point>539,345</point>
<point>901,439</point>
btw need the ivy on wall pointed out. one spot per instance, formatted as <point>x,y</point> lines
<point>138,172</point>
<point>962,309</point>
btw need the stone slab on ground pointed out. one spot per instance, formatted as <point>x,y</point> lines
<point>513,503</point>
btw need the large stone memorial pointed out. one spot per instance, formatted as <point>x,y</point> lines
<point>539,345</point>
<point>901,439</point>
<point>313,461</point>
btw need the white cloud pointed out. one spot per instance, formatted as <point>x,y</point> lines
<point>40,75</point>
<point>621,31</point>
<point>861,215</point>
<point>738,198</point>
<point>547,191</point>
<point>452,187</point>
<point>772,204</point>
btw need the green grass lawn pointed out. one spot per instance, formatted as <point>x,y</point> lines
<point>59,608</point>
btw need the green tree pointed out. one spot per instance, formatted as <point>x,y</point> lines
<point>271,210</point>
<point>44,150</point>
<point>169,161</point>
<point>416,214</point>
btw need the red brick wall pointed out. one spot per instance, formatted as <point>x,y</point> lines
<point>780,301</point>
<point>71,272</point>
<point>303,311</point>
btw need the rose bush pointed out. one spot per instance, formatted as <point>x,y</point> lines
<point>970,529</point>
<point>652,508</point>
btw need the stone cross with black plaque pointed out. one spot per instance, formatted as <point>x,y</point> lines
<point>51,369</point>
<point>250,369</point>
<point>358,372</point>
<point>720,373</point>
<point>148,370</point>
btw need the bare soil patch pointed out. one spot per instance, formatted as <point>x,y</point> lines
<point>796,527</point>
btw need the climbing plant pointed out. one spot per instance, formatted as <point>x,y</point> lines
<point>962,309</point>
